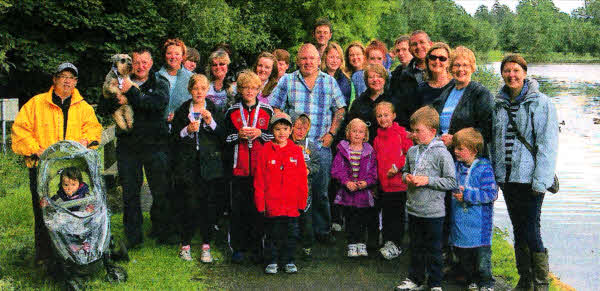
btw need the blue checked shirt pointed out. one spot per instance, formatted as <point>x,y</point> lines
<point>293,96</point>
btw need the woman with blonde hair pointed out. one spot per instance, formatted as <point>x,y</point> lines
<point>437,74</point>
<point>267,70</point>
<point>221,92</point>
<point>332,63</point>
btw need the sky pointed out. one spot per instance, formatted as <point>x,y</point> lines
<point>472,5</point>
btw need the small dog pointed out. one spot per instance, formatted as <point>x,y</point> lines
<point>121,69</point>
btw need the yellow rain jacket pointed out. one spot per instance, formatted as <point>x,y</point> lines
<point>39,124</point>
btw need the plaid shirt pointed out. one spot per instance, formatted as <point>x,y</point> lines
<point>293,96</point>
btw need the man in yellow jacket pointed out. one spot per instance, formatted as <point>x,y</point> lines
<point>59,114</point>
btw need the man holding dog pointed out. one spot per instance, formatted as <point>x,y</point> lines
<point>59,114</point>
<point>145,147</point>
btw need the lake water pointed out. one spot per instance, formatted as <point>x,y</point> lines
<point>571,218</point>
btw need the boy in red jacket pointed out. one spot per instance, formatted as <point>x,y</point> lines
<point>391,145</point>
<point>280,193</point>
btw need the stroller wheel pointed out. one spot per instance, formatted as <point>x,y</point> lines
<point>116,274</point>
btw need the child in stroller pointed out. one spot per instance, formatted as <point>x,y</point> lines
<point>77,217</point>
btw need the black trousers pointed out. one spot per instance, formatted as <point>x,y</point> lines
<point>357,220</point>
<point>281,239</point>
<point>195,207</point>
<point>43,247</point>
<point>246,222</point>
<point>393,206</point>
<point>130,162</point>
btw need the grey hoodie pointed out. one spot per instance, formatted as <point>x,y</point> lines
<point>438,165</point>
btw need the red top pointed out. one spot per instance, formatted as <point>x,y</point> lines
<point>280,181</point>
<point>391,145</point>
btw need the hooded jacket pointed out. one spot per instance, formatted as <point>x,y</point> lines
<point>280,181</point>
<point>471,221</point>
<point>537,108</point>
<point>39,124</point>
<point>436,163</point>
<point>391,146</point>
<point>341,170</point>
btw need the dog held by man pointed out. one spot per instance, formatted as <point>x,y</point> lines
<point>120,70</point>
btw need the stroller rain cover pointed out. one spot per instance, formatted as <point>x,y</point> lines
<point>80,237</point>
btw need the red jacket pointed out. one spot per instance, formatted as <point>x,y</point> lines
<point>391,146</point>
<point>239,152</point>
<point>280,181</point>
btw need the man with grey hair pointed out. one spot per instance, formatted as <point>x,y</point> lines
<point>315,93</point>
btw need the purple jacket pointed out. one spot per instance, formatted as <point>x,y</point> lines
<point>342,171</point>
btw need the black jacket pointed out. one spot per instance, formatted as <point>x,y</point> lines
<point>474,109</point>
<point>362,108</point>
<point>402,91</point>
<point>148,103</point>
<point>207,157</point>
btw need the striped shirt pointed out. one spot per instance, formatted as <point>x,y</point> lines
<point>291,95</point>
<point>511,136</point>
<point>355,162</point>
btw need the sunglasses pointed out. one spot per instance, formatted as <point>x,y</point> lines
<point>434,57</point>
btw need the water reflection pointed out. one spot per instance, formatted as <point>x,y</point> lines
<point>571,218</point>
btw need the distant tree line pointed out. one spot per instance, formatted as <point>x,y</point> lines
<point>36,35</point>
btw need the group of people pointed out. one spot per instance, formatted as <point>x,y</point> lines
<point>344,140</point>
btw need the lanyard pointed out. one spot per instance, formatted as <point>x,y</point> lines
<point>420,158</point>
<point>192,117</point>
<point>255,119</point>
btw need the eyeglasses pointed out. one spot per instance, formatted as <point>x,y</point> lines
<point>71,78</point>
<point>458,66</point>
<point>434,57</point>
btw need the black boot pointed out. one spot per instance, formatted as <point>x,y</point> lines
<point>523,258</point>
<point>540,271</point>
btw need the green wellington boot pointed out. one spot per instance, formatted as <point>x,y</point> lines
<point>540,271</point>
<point>523,258</point>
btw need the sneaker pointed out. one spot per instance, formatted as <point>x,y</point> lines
<point>486,289</point>
<point>408,284</point>
<point>185,253</point>
<point>291,268</point>
<point>352,251</point>
<point>336,227</point>
<point>205,257</point>
<point>473,287</point>
<point>390,251</point>
<point>237,257</point>
<point>271,269</point>
<point>436,289</point>
<point>362,250</point>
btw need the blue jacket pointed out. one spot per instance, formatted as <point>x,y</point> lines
<point>472,220</point>
<point>358,79</point>
<point>180,92</point>
<point>536,107</point>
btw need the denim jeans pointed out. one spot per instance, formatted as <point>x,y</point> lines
<point>425,249</point>
<point>321,211</point>
<point>524,210</point>
<point>476,264</point>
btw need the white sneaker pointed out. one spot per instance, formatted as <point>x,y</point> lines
<point>206,257</point>
<point>271,269</point>
<point>436,289</point>
<point>409,285</point>
<point>352,251</point>
<point>486,289</point>
<point>390,251</point>
<point>186,253</point>
<point>362,250</point>
<point>473,287</point>
<point>336,227</point>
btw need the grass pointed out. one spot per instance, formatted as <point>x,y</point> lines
<point>157,267</point>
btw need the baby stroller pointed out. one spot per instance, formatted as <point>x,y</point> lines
<point>81,239</point>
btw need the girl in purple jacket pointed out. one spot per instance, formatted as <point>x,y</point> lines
<point>355,167</point>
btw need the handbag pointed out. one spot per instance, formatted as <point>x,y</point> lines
<point>533,150</point>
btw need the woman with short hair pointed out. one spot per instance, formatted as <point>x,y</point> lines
<point>174,51</point>
<point>524,151</point>
<point>221,91</point>
<point>437,74</point>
